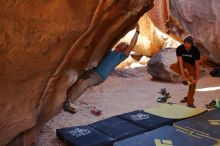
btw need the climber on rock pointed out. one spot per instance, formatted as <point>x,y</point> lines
<point>102,71</point>
<point>188,67</point>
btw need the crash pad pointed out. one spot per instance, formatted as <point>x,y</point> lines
<point>204,125</point>
<point>117,128</point>
<point>165,136</point>
<point>84,136</point>
<point>175,111</point>
<point>146,120</point>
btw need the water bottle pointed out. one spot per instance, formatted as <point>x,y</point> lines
<point>217,103</point>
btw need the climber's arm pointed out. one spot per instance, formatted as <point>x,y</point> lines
<point>133,41</point>
<point>197,64</point>
<point>180,62</point>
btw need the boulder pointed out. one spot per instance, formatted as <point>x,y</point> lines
<point>201,18</point>
<point>162,19</point>
<point>159,14</point>
<point>159,65</point>
<point>34,38</point>
<point>150,40</point>
<point>144,60</point>
<point>44,45</point>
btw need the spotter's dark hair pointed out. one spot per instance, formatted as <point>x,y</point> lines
<point>189,39</point>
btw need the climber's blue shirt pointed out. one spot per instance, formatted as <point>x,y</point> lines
<point>108,64</point>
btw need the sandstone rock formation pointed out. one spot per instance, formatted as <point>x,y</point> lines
<point>151,40</point>
<point>162,18</point>
<point>201,18</point>
<point>43,47</point>
<point>159,65</point>
<point>148,42</point>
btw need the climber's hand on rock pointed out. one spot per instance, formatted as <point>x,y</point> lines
<point>138,27</point>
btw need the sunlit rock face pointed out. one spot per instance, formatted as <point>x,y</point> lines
<point>150,40</point>
<point>201,18</point>
<point>43,47</point>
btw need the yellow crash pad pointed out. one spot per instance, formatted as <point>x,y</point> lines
<point>175,111</point>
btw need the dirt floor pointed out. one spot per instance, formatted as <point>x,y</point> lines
<point>125,91</point>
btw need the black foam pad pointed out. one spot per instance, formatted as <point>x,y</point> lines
<point>117,128</point>
<point>84,136</point>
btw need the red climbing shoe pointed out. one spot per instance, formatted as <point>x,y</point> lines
<point>96,112</point>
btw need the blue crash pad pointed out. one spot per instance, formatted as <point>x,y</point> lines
<point>84,136</point>
<point>206,125</point>
<point>165,136</point>
<point>146,120</point>
<point>117,128</point>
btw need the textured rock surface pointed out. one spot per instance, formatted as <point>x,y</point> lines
<point>159,65</point>
<point>159,14</point>
<point>150,40</point>
<point>41,43</point>
<point>162,18</point>
<point>34,38</point>
<point>201,18</point>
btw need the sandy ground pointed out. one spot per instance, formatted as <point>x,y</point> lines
<point>124,91</point>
